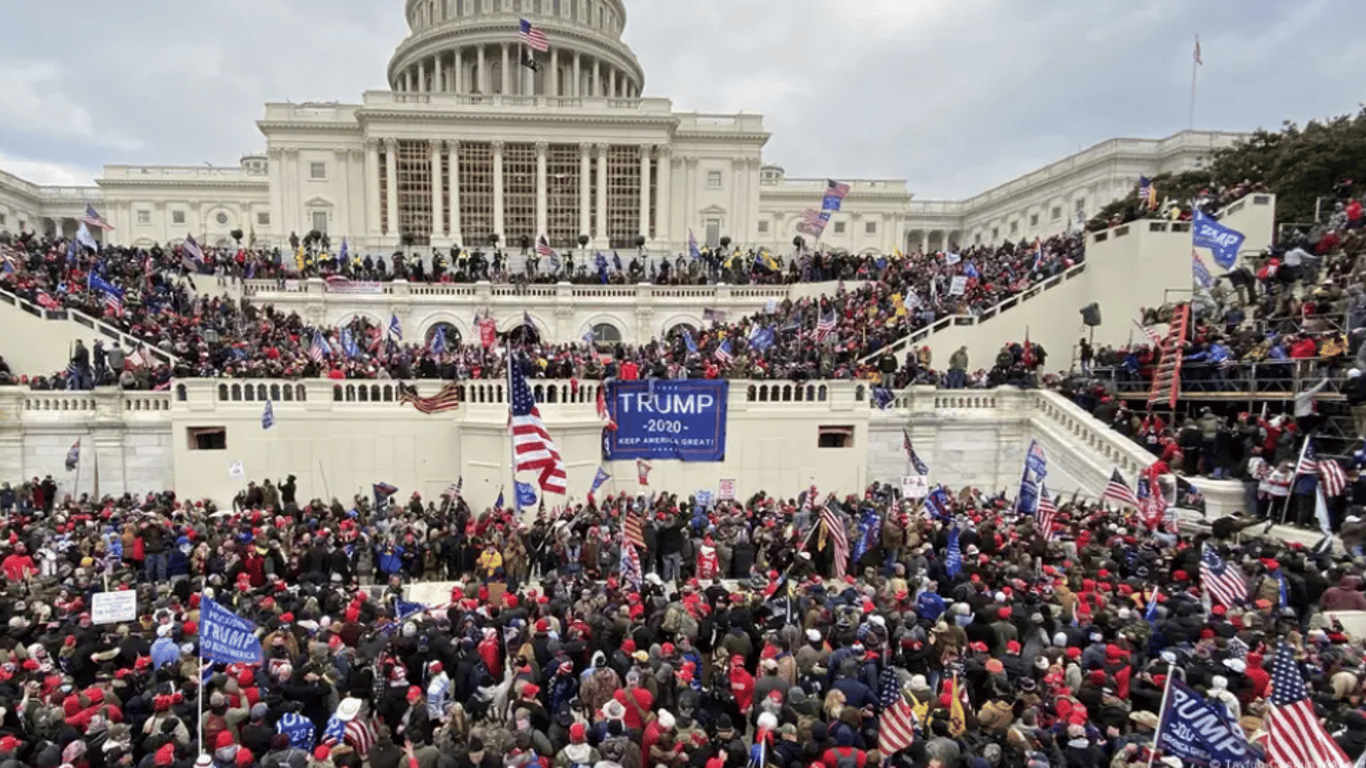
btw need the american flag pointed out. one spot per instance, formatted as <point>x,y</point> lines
<point>114,303</point>
<point>643,471</point>
<point>812,217</point>
<point>825,326</point>
<point>533,37</point>
<point>810,500</point>
<point>531,443</point>
<point>631,529</point>
<point>723,352</point>
<point>1328,471</point>
<point>1147,191</point>
<point>448,399</point>
<point>94,219</point>
<point>630,565</point>
<point>1047,513</point>
<point>317,350</point>
<point>455,489</point>
<point>608,422</point>
<point>1222,582</point>
<point>359,734</point>
<point>1150,334</point>
<point>693,250</point>
<point>920,466</point>
<point>1200,272</point>
<point>897,726</point>
<point>839,539</point>
<point>836,188</point>
<point>1119,492</point>
<point>1295,735</point>
<point>192,255</point>
<point>543,248</point>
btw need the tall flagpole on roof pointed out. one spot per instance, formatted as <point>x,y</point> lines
<point>1195,68</point>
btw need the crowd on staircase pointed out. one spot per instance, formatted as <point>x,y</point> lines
<point>154,299</point>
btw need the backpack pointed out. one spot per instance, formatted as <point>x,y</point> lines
<point>846,761</point>
<point>480,676</point>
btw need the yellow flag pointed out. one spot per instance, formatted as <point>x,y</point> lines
<point>958,719</point>
<point>299,258</point>
<point>920,709</point>
<point>899,305</point>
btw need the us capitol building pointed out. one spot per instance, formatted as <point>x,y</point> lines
<point>470,142</point>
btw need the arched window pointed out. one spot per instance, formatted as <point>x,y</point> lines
<point>525,333</point>
<point>450,337</point>
<point>605,333</point>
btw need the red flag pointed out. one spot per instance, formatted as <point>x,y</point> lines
<point>642,472</point>
<point>1028,357</point>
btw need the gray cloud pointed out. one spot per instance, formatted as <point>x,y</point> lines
<point>954,97</point>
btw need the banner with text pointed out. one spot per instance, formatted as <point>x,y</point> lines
<point>658,419</point>
<point>226,637</point>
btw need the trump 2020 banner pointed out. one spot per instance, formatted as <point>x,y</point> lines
<point>226,637</point>
<point>666,419</point>
<point>1223,241</point>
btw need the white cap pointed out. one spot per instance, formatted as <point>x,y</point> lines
<point>813,635</point>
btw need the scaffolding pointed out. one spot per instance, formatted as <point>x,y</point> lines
<point>476,192</point>
<point>519,193</point>
<point>623,195</point>
<point>562,195</point>
<point>415,190</point>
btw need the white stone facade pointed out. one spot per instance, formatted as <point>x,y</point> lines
<point>339,437</point>
<point>468,143</point>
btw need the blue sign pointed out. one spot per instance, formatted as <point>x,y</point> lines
<point>672,419</point>
<point>226,637</point>
<point>1222,241</point>
<point>1200,733</point>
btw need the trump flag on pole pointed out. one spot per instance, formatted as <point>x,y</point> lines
<point>226,637</point>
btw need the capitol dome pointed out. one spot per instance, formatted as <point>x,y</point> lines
<point>475,47</point>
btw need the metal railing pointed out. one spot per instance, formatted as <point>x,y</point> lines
<point>100,327</point>
<point>1268,379</point>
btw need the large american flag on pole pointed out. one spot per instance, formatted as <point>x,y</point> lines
<point>896,729</point>
<point>1047,513</point>
<point>531,443</point>
<point>1328,471</point>
<point>839,540</point>
<point>533,36</point>
<point>1119,492</point>
<point>825,325</point>
<point>93,219</point>
<point>1295,735</point>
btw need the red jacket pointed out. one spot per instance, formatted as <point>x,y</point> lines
<point>742,688</point>
<point>832,756</point>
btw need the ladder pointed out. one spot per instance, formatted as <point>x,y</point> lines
<point>1167,376</point>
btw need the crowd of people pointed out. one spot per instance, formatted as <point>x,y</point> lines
<point>1161,205</point>
<point>215,336</point>
<point>736,635</point>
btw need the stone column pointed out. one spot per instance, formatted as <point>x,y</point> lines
<point>542,193</point>
<point>506,73</point>
<point>293,198</point>
<point>453,220</point>
<point>438,229</point>
<point>690,198</point>
<point>664,231</point>
<point>481,77</point>
<point>585,190</point>
<point>372,190</point>
<point>498,189</point>
<point>438,74</point>
<point>552,78</point>
<point>612,82</point>
<point>421,76</point>
<point>594,87</point>
<point>602,195</point>
<point>357,207</point>
<point>458,75</point>
<point>576,91</point>
<point>391,184</point>
<point>645,150</point>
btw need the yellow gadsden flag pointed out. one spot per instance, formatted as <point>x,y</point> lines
<point>958,719</point>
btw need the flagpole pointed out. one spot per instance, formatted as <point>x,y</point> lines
<point>1285,508</point>
<point>512,443</point>
<point>1195,68</point>
<point>1166,697</point>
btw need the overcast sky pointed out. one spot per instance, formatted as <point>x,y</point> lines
<point>955,96</point>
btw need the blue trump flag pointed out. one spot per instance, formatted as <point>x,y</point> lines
<point>667,419</point>
<point>526,495</point>
<point>1222,241</point>
<point>226,637</point>
<point>1199,732</point>
<point>953,562</point>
